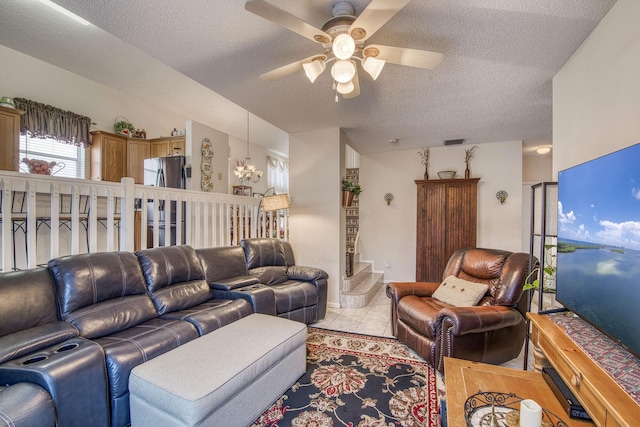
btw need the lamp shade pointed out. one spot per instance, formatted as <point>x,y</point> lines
<point>313,69</point>
<point>275,202</point>
<point>343,71</point>
<point>373,66</point>
<point>343,46</point>
<point>345,88</point>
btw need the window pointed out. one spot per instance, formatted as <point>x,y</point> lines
<point>278,175</point>
<point>51,150</point>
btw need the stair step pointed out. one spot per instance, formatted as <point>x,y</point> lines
<point>361,271</point>
<point>362,294</point>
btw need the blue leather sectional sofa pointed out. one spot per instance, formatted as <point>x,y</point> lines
<point>71,333</point>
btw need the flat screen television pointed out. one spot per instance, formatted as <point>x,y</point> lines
<point>598,262</point>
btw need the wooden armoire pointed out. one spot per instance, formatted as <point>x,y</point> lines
<point>446,221</point>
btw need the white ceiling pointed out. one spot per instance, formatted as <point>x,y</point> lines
<point>494,84</point>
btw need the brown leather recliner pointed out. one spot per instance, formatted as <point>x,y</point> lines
<point>491,332</point>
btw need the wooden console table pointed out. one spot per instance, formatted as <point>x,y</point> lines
<point>606,402</point>
<point>465,378</point>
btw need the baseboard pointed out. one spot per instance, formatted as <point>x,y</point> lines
<point>333,305</point>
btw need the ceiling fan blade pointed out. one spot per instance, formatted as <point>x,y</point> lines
<point>286,20</point>
<point>356,89</point>
<point>289,68</point>
<point>375,15</point>
<point>404,56</point>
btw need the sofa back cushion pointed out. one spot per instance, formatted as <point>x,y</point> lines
<point>222,263</point>
<point>27,300</point>
<point>263,252</point>
<point>174,277</point>
<point>101,293</point>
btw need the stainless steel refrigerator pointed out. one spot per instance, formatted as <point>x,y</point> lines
<point>165,172</point>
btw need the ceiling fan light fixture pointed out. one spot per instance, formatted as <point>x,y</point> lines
<point>343,46</point>
<point>313,69</point>
<point>343,71</point>
<point>373,66</point>
<point>345,88</point>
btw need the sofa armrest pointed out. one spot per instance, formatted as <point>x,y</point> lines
<point>34,339</point>
<point>479,319</point>
<point>307,274</point>
<point>233,283</point>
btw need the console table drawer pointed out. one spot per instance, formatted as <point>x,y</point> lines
<point>583,389</point>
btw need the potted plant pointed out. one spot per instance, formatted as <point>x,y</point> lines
<point>124,127</point>
<point>349,190</point>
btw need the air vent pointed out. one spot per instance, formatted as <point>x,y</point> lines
<point>453,141</point>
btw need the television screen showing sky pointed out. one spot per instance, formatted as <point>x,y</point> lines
<point>599,201</point>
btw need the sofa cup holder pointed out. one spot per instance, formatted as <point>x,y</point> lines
<point>35,359</point>
<point>67,347</point>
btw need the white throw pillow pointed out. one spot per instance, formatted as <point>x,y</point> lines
<point>459,292</point>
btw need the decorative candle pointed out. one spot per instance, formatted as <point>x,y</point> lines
<point>530,413</point>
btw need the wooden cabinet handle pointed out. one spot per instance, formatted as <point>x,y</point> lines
<point>575,380</point>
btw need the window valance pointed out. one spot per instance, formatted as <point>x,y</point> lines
<point>46,121</point>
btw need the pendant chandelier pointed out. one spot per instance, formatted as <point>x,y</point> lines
<point>245,171</point>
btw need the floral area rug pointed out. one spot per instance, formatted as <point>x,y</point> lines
<point>358,380</point>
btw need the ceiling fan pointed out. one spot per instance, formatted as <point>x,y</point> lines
<point>343,38</point>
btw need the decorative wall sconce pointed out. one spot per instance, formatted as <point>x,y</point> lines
<point>388,198</point>
<point>502,196</point>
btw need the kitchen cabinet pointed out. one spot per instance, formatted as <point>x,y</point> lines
<point>169,146</point>
<point>137,151</point>
<point>9,137</point>
<point>108,156</point>
<point>446,222</point>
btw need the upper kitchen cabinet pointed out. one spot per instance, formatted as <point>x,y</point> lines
<point>9,137</point>
<point>169,146</point>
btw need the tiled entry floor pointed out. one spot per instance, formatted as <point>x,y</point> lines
<point>375,319</point>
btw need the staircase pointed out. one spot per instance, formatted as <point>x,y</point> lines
<point>359,289</point>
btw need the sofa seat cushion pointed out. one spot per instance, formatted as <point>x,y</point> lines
<point>420,313</point>
<point>26,405</point>
<point>126,349</point>
<point>213,314</point>
<point>293,295</point>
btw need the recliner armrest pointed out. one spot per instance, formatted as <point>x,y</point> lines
<point>307,274</point>
<point>397,290</point>
<point>477,319</point>
<point>233,283</point>
<point>35,339</point>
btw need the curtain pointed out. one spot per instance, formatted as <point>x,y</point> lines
<point>46,121</point>
<point>278,175</point>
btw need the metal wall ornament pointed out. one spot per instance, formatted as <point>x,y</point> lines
<point>206,166</point>
<point>388,198</point>
<point>502,196</point>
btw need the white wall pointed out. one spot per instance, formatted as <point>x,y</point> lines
<point>596,95</point>
<point>197,132</point>
<point>388,233</point>
<point>314,184</point>
<point>22,76</point>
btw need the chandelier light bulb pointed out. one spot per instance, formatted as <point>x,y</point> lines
<point>343,46</point>
<point>345,88</point>
<point>343,71</point>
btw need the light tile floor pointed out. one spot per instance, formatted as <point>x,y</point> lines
<point>375,319</point>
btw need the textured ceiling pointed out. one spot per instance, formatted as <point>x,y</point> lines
<point>494,84</point>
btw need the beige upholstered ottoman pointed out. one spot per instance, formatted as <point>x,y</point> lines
<point>227,377</point>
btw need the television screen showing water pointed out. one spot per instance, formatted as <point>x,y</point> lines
<point>598,263</point>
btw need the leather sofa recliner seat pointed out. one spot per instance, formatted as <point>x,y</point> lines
<point>491,332</point>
